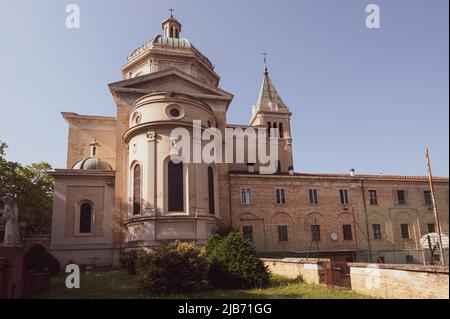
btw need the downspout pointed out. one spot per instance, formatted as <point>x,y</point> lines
<point>367,220</point>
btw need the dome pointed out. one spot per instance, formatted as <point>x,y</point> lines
<point>160,40</point>
<point>92,163</point>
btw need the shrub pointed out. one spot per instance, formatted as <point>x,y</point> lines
<point>233,263</point>
<point>174,267</point>
<point>38,259</point>
<point>129,260</point>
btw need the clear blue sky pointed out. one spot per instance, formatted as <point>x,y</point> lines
<point>368,99</point>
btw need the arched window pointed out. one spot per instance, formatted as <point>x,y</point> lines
<point>280,127</point>
<point>211,191</point>
<point>137,190</point>
<point>275,131</point>
<point>175,189</point>
<point>85,218</point>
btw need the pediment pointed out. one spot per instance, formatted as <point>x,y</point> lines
<point>169,80</point>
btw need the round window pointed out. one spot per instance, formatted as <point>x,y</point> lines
<point>175,112</point>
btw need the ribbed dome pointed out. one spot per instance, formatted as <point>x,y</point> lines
<point>92,163</point>
<point>160,40</point>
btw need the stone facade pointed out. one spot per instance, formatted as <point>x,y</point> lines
<point>117,191</point>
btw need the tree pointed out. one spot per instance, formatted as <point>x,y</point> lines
<point>233,263</point>
<point>32,187</point>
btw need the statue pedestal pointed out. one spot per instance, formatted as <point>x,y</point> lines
<point>11,272</point>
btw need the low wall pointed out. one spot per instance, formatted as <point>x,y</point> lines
<point>393,281</point>
<point>30,240</point>
<point>306,269</point>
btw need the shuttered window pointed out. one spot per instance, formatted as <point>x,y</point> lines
<point>376,228</point>
<point>405,231</point>
<point>313,199</point>
<point>282,233</point>
<point>427,197</point>
<point>373,197</point>
<point>280,196</point>
<point>343,194</point>
<point>347,232</point>
<point>246,196</point>
<point>315,232</point>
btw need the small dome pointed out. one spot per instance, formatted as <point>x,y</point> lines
<point>92,163</point>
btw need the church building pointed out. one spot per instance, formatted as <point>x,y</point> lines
<point>121,190</point>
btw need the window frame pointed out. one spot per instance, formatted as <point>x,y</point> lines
<point>347,233</point>
<point>377,235</point>
<point>315,232</point>
<point>245,233</point>
<point>313,196</point>
<point>404,231</point>
<point>343,197</point>
<point>283,233</point>
<point>77,223</point>
<point>248,191</point>
<point>282,192</point>
<point>373,197</point>
<point>427,198</point>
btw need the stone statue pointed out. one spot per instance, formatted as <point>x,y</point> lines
<point>10,215</point>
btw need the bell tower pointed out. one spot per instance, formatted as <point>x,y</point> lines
<point>271,112</point>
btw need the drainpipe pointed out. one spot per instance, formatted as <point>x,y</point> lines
<point>367,220</point>
<point>356,233</point>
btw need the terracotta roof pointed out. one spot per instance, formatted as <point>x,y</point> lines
<point>356,176</point>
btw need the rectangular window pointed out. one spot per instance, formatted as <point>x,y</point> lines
<point>431,228</point>
<point>376,228</point>
<point>247,232</point>
<point>409,259</point>
<point>347,231</point>
<point>427,198</point>
<point>246,196</point>
<point>313,199</point>
<point>405,231</point>
<point>343,196</point>
<point>315,232</point>
<point>280,195</point>
<point>401,197</point>
<point>373,197</point>
<point>282,233</point>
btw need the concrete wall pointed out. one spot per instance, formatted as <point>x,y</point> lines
<point>295,268</point>
<point>400,281</point>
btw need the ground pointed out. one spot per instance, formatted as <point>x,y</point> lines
<point>118,284</point>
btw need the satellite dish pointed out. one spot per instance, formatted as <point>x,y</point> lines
<point>434,239</point>
<point>334,236</point>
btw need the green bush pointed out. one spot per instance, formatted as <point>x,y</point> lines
<point>129,260</point>
<point>174,267</point>
<point>38,259</point>
<point>233,263</point>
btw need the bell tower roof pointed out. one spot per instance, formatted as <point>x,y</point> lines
<point>268,97</point>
